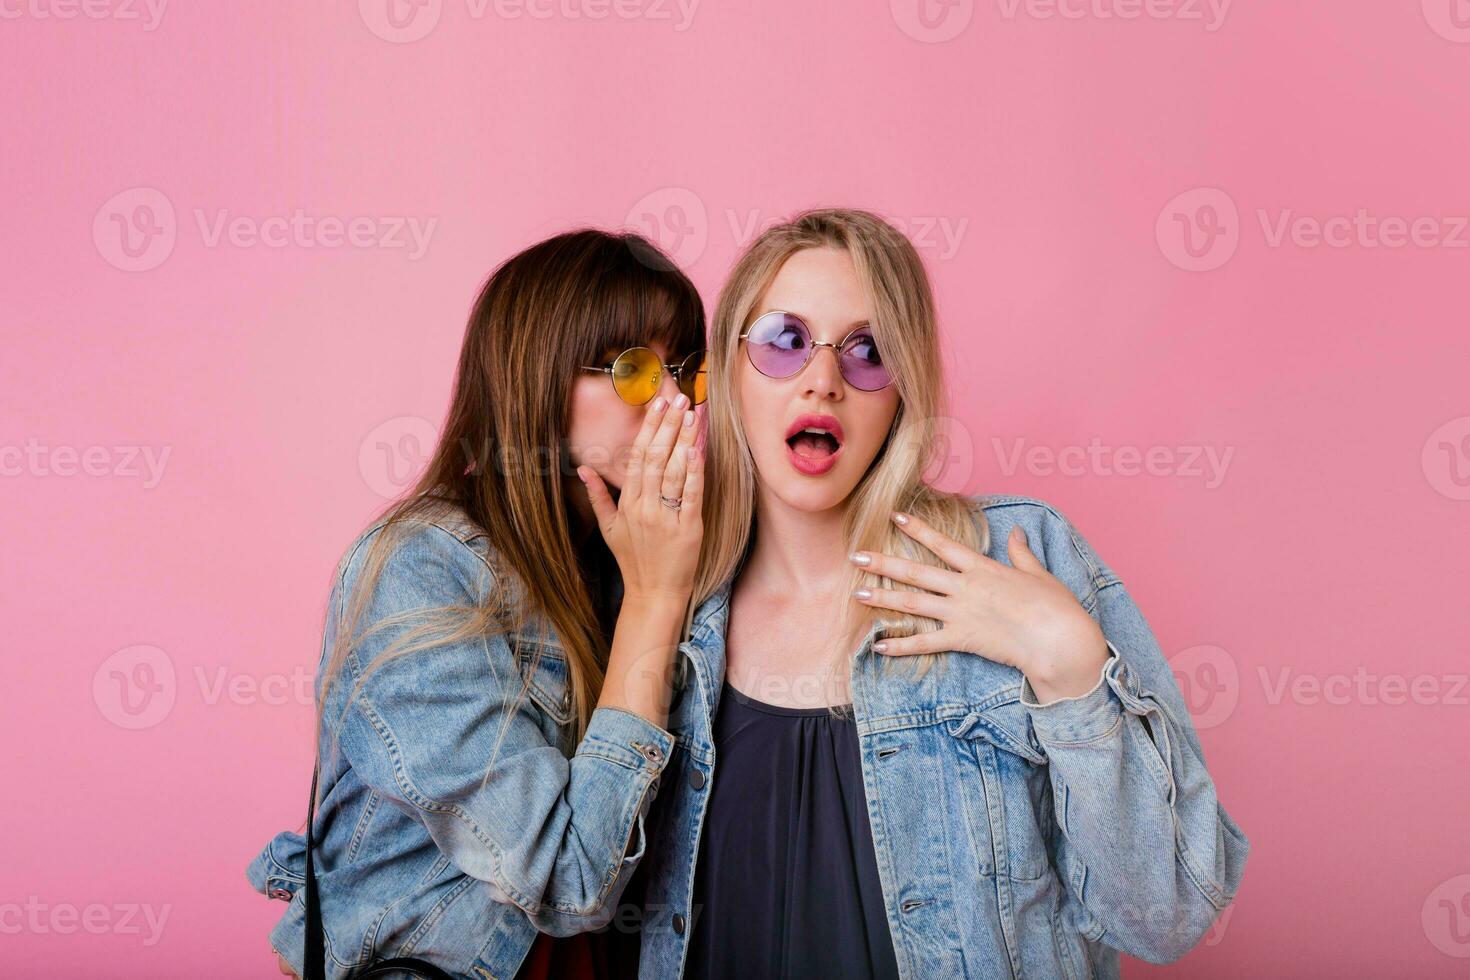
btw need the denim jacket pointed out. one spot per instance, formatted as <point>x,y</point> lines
<point>433,841</point>
<point>1013,839</point>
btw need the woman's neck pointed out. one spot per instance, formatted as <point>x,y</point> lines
<point>801,553</point>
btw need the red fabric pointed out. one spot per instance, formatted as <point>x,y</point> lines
<point>579,957</point>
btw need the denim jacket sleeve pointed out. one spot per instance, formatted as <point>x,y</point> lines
<point>1148,854</point>
<point>448,732</point>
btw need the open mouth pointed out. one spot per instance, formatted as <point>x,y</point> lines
<point>814,444</point>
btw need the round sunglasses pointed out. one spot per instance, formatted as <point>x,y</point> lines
<point>637,373</point>
<point>780,345</point>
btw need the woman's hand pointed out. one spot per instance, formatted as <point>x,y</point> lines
<point>656,546</point>
<point>1019,615</point>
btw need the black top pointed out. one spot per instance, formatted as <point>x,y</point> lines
<point>787,881</point>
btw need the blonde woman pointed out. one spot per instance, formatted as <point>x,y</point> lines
<point>918,735</point>
<point>491,727</point>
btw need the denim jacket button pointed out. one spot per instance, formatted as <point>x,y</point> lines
<point>696,779</point>
<point>678,923</point>
<point>281,893</point>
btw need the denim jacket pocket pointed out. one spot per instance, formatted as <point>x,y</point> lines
<point>1016,790</point>
<point>544,669</point>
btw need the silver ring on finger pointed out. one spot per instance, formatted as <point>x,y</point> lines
<point>672,503</point>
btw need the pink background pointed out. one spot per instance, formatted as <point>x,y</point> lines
<point>292,385</point>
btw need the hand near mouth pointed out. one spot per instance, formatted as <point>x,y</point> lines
<point>1020,615</point>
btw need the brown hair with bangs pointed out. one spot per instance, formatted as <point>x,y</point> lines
<point>502,455</point>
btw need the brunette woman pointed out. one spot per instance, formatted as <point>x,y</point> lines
<point>491,717</point>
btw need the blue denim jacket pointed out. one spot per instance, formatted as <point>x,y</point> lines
<point>1013,839</point>
<point>434,842</point>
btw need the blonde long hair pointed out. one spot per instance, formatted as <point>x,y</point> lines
<point>906,331</point>
<point>501,457</point>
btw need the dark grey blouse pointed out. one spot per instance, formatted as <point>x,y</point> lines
<point>787,881</point>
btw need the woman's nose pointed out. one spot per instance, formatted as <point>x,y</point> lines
<point>823,373</point>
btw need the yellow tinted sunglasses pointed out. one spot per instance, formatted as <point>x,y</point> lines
<point>636,374</point>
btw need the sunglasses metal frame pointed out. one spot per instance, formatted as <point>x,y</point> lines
<point>677,370</point>
<point>811,350</point>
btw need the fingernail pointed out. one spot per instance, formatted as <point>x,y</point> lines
<point>900,519</point>
<point>681,400</point>
<point>688,418</point>
<point>879,647</point>
<point>659,403</point>
<point>858,558</point>
<point>863,594</point>
<point>580,475</point>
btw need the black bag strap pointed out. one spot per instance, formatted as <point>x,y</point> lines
<point>316,950</point>
<point>316,947</point>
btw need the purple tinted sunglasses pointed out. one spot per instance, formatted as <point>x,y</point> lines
<point>780,345</point>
